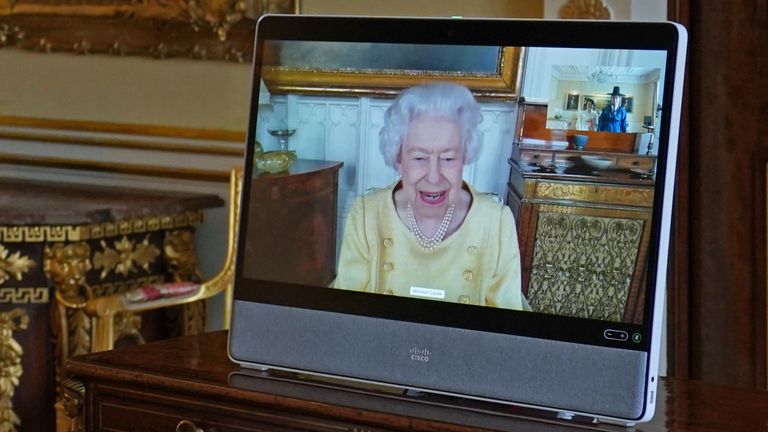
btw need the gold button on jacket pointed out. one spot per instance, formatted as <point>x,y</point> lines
<point>478,264</point>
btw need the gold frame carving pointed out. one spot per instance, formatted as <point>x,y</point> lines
<point>504,84</point>
<point>585,9</point>
<point>218,30</point>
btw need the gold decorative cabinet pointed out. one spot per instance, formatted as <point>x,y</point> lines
<point>584,232</point>
<point>64,244</point>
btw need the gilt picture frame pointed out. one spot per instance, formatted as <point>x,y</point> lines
<point>161,29</point>
<point>497,79</point>
<point>572,102</point>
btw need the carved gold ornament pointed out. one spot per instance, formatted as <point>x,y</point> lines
<point>13,265</point>
<point>10,365</point>
<point>642,197</point>
<point>128,325</point>
<point>583,265</point>
<point>205,29</point>
<point>78,332</point>
<point>585,9</point>
<point>220,14</point>
<point>66,266</point>
<point>125,257</point>
<point>179,255</point>
<point>181,259</point>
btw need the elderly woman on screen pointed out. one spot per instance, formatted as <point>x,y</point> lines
<point>431,235</point>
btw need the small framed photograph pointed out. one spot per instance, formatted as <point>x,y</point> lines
<point>572,102</point>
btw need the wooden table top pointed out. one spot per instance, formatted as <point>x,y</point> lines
<point>26,202</point>
<point>300,167</point>
<point>199,365</point>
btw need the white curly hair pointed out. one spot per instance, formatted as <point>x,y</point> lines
<point>451,101</point>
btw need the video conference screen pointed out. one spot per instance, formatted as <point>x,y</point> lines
<point>519,178</point>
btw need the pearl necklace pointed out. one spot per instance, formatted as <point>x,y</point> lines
<point>429,243</point>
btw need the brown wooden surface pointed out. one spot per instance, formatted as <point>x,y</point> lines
<point>718,296</point>
<point>153,387</point>
<point>678,341</point>
<point>535,126</point>
<point>291,228</point>
<point>34,396</point>
<point>25,202</point>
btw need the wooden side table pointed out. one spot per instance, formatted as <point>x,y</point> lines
<point>61,244</point>
<point>188,383</point>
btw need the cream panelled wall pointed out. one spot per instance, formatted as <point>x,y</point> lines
<point>134,90</point>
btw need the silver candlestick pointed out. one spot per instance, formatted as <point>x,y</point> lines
<point>282,136</point>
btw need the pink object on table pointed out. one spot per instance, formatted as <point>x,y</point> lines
<point>157,291</point>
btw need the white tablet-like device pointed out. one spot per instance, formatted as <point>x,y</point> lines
<point>469,207</point>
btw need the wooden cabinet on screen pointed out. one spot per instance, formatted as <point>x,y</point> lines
<point>584,218</point>
<point>291,228</point>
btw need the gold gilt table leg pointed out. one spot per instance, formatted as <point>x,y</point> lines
<point>74,397</point>
<point>10,365</point>
<point>66,266</point>
<point>180,257</point>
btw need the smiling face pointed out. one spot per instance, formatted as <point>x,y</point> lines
<point>431,162</point>
<point>616,101</point>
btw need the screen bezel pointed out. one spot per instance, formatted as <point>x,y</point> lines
<point>561,34</point>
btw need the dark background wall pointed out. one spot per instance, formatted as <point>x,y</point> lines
<point>717,298</point>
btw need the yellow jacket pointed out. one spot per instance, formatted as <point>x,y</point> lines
<point>478,264</point>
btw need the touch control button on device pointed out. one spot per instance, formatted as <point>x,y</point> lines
<point>619,335</point>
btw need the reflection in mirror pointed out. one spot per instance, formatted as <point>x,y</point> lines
<point>601,98</point>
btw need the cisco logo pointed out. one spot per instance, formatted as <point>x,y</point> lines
<point>420,354</point>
